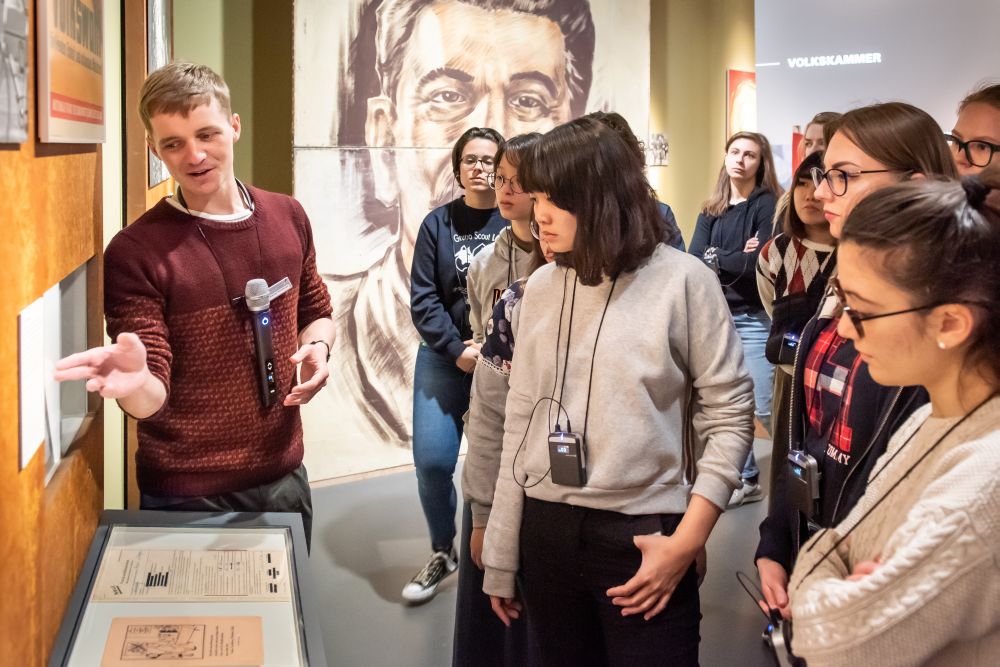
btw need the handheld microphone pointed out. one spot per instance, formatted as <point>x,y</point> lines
<point>258,298</point>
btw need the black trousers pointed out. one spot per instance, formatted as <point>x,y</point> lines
<point>570,557</point>
<point>290,493</point>
<point>481,639</point>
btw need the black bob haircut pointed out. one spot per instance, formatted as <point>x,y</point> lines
<point>586,168</point>
<point>487,133</point>
<point>792,224</point>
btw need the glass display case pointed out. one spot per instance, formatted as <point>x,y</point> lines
<point>194,589</point>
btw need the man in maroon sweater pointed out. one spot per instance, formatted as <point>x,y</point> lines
<point>183,363</point>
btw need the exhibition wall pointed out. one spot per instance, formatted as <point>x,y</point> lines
<point>819,57</point>
<point>52,217</point>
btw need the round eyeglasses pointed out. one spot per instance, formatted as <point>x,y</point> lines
<point>836,179</point>
<point>979,153</point>
<point>496,181</point>
<point>533,226</point>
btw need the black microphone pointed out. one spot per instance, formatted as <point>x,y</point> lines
<point>258,297</point>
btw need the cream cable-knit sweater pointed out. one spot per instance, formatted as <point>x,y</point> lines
<point>935,600</point>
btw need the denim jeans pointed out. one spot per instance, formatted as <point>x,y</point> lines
<point>753,328</point>
<point>440,398</point>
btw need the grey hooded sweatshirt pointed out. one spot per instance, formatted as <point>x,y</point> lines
<point>492,271</point>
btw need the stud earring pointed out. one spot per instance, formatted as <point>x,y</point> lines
<point>941,344</point>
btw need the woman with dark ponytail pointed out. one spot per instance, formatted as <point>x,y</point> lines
<point>912,575</point>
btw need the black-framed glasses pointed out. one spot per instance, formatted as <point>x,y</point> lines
<point>857,318</point>
<point>496,181</point>
<point>837,179</point>
<point>979,153</point>
<point>471,160</point>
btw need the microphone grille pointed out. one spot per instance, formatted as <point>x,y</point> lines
<point>258,294</point>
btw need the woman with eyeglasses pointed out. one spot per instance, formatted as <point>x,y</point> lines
<point>732,226</point>
<point>449,237</point>
<point>792,273</point>
<point>513,254</point>
<point>603,500</point>
<point>911,576</point>
<point>839,417</point>
<point>975,139</point>
<point>480,637</point>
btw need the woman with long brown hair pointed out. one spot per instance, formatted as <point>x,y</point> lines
<point>733,225</point>
<point>841,419</point>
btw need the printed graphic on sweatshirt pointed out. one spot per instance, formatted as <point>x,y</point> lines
<point>830,366</point>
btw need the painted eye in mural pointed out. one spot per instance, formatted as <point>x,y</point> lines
<point>528,107</point>
<point>448,104</point>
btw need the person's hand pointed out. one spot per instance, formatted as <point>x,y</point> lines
<point>506,609</point>
<point>864,568</point>
<point>752,244</point>
<point>774,584</point>
<point>701,565</point>
<point>313,373</point>
<point>476,546</point>
<point>664,562</point>
<point>116,371</point>
<point>467,360</point>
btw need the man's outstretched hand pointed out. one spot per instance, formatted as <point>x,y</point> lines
<point>117,371</point>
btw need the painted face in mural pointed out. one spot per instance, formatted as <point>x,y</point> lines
<point>463,66</point>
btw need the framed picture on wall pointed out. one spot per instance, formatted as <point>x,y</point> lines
<point>71,71</point>
<point>741,102</point>
<point>159,46</point>
<point>13,71</point>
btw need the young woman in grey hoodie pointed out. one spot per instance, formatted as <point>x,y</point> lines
<point>480,638</point>
<point>630,342</point>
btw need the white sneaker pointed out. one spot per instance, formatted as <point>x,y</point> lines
<point>423,586</point>
<point>748,493</point>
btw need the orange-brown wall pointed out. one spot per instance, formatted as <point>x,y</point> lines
<point>50,223</point>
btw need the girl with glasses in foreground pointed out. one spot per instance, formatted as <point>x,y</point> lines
<point>839,416</point>
<point>911,576</point>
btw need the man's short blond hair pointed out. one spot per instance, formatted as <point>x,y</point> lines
<point>178,88</point>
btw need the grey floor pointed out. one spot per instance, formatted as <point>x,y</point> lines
<point>369,538</point>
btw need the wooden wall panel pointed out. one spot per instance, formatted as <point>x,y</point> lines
<point>50,217</point>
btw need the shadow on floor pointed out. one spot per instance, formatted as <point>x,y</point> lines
<point>369,538</point>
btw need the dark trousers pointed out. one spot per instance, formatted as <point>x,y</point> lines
<point>570,557</point>
<point>287,494</point>
<point>481,640</point>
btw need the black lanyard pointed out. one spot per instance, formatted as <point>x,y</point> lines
<point>249,203</point>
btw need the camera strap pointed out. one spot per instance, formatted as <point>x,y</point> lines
<point>593,355</point>
<point>896,484</point>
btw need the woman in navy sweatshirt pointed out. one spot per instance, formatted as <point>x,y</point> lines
<point>733,225</point>
<point>449,237</point>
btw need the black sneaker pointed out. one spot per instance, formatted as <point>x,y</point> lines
<point>423,586</point>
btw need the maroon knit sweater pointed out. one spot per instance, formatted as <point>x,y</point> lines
<point>161,281</point>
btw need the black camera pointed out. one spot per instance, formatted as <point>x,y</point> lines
<point>711,259</point>
<point>803,489</point>
<point>789,344</point>
<point>567,458</point>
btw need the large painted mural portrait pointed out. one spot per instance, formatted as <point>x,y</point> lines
<point>383,89</point>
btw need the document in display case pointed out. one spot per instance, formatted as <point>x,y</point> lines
<point>192,589</point>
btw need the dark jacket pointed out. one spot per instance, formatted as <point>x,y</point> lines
<point>876,412</point>
<point>729,233</point>
<point>676,239</point>
<point>449,237</point>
